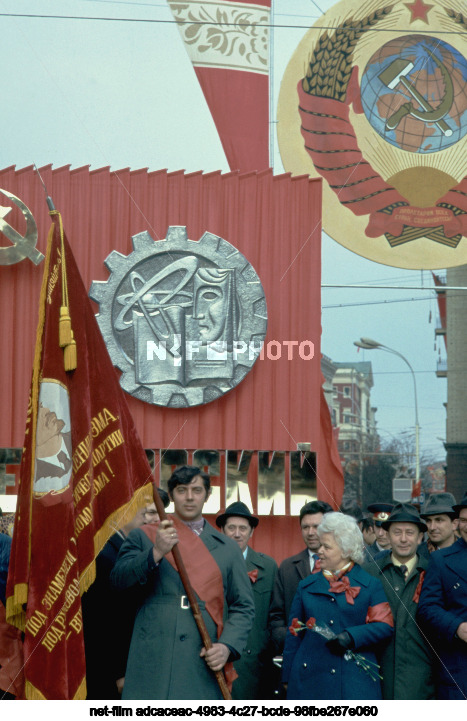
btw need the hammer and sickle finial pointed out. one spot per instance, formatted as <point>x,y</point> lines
<point>23,246</point>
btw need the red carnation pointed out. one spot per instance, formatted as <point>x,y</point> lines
<point>296,626</point>
<point>311,623</point>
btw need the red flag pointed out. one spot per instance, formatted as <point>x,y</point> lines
<point>83,474</point>
<point>228,43</point>
<point>330,476</point>
<point>442,303</point>
<point>417,489</point>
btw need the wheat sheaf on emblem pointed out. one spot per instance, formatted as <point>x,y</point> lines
<point>457,17</point>
<point>330,64</point>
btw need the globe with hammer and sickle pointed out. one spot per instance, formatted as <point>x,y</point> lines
<point>414,93</point>
<point>24,246</point>
<point>374,101</point>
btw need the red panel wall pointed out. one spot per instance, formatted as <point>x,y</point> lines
<point>273,220</point>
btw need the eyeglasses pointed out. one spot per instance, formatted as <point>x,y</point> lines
<point>462,521</point>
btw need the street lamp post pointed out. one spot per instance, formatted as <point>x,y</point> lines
<point>370,344</point>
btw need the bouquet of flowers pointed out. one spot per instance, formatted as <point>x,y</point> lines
<point>372,669</point>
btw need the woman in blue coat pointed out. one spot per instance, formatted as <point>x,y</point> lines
<point>349,603</point>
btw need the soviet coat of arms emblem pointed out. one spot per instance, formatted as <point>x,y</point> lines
<point>380,113</point>
<point>184,320</point>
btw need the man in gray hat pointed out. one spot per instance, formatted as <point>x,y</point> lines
<point>443,611</point>
<point>254,668</point>
<point>440,518</point>
<point>406,662</point>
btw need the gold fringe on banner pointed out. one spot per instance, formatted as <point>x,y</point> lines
<point>32,693</point>
<point>15,615</point>
<point>119,518</point>
<point>81,693</point>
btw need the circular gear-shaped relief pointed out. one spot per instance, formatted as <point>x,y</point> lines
<point>183,320</point>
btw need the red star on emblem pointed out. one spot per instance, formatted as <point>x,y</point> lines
<point>419,10</point>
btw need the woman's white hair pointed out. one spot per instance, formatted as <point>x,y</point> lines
<point>346,533</point>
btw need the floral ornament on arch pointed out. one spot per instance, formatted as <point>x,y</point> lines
<point>369,667</point>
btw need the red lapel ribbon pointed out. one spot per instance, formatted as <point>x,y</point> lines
<point>253,575</point>
<point>416,596</point>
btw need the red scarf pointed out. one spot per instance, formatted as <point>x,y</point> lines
<point>341,583</point>
<point>204,573</point>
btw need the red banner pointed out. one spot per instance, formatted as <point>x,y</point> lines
<point>442,306</point>
<point>84,473</point>
<point>330,476</point>
<point>228,43</point>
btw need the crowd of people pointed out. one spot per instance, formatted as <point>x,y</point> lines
<point>373,607</point>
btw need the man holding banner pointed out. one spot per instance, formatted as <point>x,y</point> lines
<point>165,631</point>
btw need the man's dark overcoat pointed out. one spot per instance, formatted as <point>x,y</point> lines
<point>164,660</point>
<point>108,616</point>
<point>291,571</point>
<point>442,608</point>
<point>255,677</point>
<point>406,661</point>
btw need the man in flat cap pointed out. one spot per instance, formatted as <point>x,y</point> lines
<point>443,611</point>
<point>440,518</point>
<point>380,512</point>
<point>254,668</point>
<point>406,661</point>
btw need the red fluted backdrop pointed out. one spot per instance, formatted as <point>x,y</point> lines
<point>273,221</point>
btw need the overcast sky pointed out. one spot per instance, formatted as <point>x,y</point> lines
<point>124,94</point>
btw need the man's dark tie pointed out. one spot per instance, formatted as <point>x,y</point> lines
<point>64,460</point>
<point>404,570</point>
<point>317,564</point>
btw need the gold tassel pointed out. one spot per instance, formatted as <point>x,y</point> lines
<point>70,355</point>
<point>64,327</point>
<point>65,333</point>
